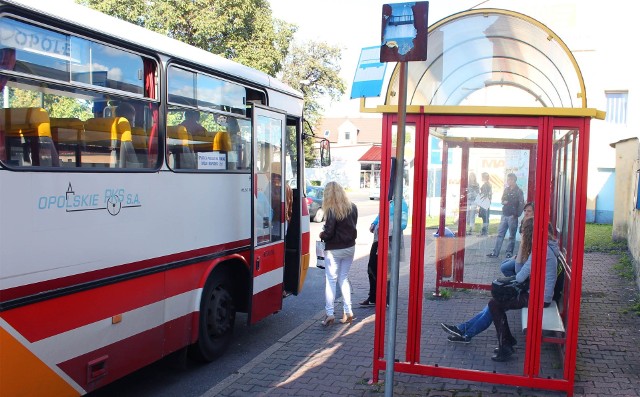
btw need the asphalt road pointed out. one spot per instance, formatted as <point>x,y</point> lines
<point>184,378</point>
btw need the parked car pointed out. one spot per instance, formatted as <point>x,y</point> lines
<point>314,202</point>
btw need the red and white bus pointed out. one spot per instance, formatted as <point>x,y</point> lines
<point>143,200</point>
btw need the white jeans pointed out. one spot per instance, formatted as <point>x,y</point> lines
<point>337,264</point>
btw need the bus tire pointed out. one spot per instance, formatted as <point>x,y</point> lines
<point>217,318</point>
<point>319,215</point>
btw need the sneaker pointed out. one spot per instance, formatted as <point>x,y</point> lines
<point>458,339</point>
<point>452,330</point>
<point>492,255</point>
<point>367,302</point>
<point>509,255</point>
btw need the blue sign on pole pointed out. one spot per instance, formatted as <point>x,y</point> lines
<point>369,75</point>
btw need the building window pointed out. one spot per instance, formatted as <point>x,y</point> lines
<point>347,135</point>
<point>616,107</point>
<point>326,133</point>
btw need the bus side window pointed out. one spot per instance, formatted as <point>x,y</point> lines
<point>27,137</point>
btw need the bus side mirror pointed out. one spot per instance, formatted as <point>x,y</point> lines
<point>325,153</point>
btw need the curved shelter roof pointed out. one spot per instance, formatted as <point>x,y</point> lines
<point>496,58</point>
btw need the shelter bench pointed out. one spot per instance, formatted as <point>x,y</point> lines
<point>552,326</point>
<point>553,330</point>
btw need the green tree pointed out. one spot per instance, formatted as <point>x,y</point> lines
<point>55,105</point>
<point>314,69</point>
<point>241,30</point>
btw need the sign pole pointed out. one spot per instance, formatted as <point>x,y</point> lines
<point>394,264</point>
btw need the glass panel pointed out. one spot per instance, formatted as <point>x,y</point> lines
<point>98,64</point>
<point>46,53</point>
<point>50,125</point>
<point>268,207</point>
<point>494,59</point>
<point>207,141</point>
<point>405,242</point>
<point>182,87</point>
<point>221,95</point>
<point>478,182</point>
<point>34,50</point>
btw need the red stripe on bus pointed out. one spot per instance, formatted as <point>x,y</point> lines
<point>54,316</point>
<point>266,302</point>
<point>306,242</point>
<point>76,279</point>
<point>129,354</point>
<point>269,258</point>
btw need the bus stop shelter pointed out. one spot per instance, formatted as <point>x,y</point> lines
<point>499,93</point>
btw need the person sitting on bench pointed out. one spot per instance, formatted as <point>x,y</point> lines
<point>465,331</point>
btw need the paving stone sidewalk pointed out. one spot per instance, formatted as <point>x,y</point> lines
<point>316,361</point>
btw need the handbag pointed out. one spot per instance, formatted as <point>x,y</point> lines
<point>320,254</point>
<point>507,288</point>
<point>483,202</point>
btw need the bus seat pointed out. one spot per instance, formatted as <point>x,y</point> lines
<point>178,132</point>
<point>115,134</point>
<point>107,129</point>
<point>68,133</point>
<point>29,128</point>
<point>25,122</point>
<point>183,155</point>
<point>222,141</point>
<point>139,137</point>
<point>66,130</point>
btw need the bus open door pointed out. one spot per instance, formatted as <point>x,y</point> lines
<point>267,270</point>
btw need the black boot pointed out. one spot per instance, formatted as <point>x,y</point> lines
<point>503,354</point>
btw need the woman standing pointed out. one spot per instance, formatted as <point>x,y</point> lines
<point>339,235</point>
<point>473,191</point>
<point>485,194</point>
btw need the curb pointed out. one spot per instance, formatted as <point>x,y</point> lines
<point>229,380</point>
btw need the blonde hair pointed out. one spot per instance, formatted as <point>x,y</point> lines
<point>335,200</point>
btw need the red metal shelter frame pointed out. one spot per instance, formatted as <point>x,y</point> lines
<point>551,156</point>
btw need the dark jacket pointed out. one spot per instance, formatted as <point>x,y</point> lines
<point>340,234</point>
<point>486,190</point>
<point>515,201</point>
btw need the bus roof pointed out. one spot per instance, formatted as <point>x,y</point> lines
<point>93,20</point>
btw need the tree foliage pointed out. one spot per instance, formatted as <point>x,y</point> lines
<point>314,69</point>
<point>241,30</point>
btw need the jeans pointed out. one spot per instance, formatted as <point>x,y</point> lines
<point>484,214</point>
<point>477,324</point>
<point>337,265</point>
<point>508,267</point>
<point>472,211</point>
<point>372,271</point>
<point>506,223</point>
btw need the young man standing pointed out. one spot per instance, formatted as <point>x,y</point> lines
<point>512,207</point>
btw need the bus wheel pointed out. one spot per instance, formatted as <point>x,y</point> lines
<point>319,215</point>
<point>217,317</point>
